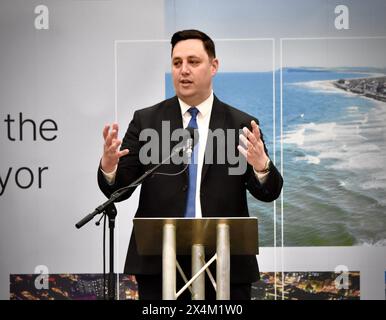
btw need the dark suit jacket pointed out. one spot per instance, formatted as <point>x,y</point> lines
<point>222,195</point>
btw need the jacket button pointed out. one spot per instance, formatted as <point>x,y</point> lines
<point>185,187</point>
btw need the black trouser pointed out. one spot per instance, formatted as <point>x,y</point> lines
<point>150,288</point>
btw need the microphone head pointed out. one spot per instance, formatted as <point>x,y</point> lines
<point>193,134</point>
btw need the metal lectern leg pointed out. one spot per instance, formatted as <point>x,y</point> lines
<point>198,286</point>
<point>169,262</point>
<point>223,262</point>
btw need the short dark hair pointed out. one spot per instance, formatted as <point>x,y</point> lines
<point>195,34</point>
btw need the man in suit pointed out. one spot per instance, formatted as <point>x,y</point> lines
<point>206,189</point>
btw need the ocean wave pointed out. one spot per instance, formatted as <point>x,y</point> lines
<point>309,159</point>
<point>323,86</point>
<point>355,161</point>
<point>376,183</point>
<point>369,243</point>
<point>356,145</point>
<point>352,108</point>
<point>328,87</point>
<point>295,137</point>
<point>342,183</point>
<point>308,134</point>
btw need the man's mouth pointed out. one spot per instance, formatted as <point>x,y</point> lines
<point>186,81</point>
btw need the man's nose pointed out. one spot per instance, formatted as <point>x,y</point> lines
<point>185,68</point>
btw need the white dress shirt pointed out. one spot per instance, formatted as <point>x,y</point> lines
<point>203,118</point>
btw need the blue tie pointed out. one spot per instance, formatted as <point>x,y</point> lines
<point>190,211</point>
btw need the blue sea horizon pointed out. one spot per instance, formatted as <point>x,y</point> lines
<point>334,153</point>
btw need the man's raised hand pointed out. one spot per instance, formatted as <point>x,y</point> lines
<point>111,152</point>
<point>253,149</point>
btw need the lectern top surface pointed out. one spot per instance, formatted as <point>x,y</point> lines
<point>243,234</point>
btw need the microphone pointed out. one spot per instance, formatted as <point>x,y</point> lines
<point>189,140</point>
<point>192,140</point>
<point>193,134</point>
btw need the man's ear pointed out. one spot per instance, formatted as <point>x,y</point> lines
<point>214,66</point>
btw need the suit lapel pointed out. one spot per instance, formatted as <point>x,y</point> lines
<point>173,114</point>
<point>217,120</point>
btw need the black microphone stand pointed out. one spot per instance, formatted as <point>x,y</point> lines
<point>110,210</point>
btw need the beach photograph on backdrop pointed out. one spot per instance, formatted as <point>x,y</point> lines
<point>334,142</point>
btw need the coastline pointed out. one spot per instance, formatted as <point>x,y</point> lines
<point>332,86</point>
<point>371,87</point>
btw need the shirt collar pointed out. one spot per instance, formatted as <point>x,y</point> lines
<point>204,107</point>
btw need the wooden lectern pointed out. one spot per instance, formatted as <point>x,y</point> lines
<point>218,236</point>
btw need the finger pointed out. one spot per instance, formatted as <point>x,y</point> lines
<point>245,142</point>
<point>260,144</point>
<point>114,145</point>
<point>106,131</point>
<point>111,137</point>
<point>108,140</point>
<point>255,129</point>
<point>252,138</point>
<point>249,134</point>
<point>242,151</point>
<point>114,133</point>
<point>123,153</point>
<point>246,131</point>
<point>115,128</point>
<point>111,149</point>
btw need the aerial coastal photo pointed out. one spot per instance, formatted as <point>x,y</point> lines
<point>373,87</point>
<point>334,144</point>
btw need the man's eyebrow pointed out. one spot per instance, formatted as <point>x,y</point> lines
<point>189,57</point>
<point>194,57</point>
